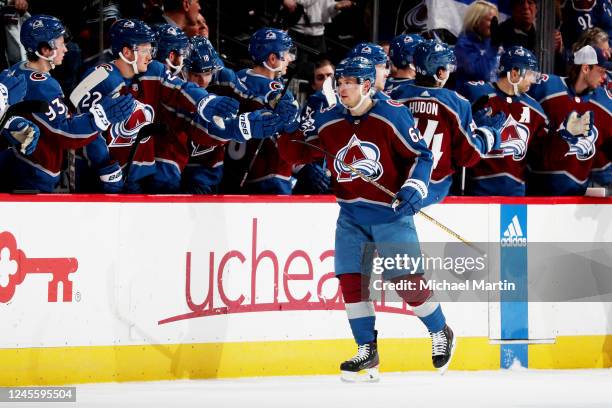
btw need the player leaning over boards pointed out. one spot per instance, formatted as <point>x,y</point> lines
<point>502,171</point>
<point>18,132</point>
<point>272,51</point>
<point>401,52</point>
<point>377,137</point>
<point>172,152</point>
<point>579,110</point>
<point>445,118</point>
<point>43,38</point>
<point>377,56</point>
<point>135,72</point>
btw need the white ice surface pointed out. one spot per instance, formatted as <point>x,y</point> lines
<point>491,389</point>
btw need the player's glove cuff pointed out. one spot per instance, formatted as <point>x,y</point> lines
<point>99,116</point>
<point>3,99</point>
<point>418,185</point>
<point>490,138</point>
<point>244,124</point>
<point>202,105</point>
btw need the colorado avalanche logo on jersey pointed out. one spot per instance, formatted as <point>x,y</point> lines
<point>124,133</point>
<point>276,86</point>
<point>38,76</point>
<point>363,156</point>
<point>514,140</point>
<point>584,148</point>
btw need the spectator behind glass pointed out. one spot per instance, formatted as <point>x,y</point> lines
<point>311,17</point>
<point>179,13</point>
<point>520,30</point>
<point>477,57</point>
<point>200,28</point>
<point>12,17</point>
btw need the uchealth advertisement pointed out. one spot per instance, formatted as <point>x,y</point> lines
<point>128,273</point>
<point>75,274</point>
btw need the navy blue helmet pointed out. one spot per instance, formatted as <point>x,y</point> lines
<point>266,41</point>
<point>203,56</point>
<point>129,33</point>
<point>373,52</point>
<point>401,49</point>
<point>431,55</point>
<point>169,39</point>
<point>519,58</point>
<point>41,30</point>
<point>357,67</point>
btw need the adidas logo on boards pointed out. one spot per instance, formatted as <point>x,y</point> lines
<point>513,235</point>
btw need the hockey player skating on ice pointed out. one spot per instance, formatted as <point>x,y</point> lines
<point>379,139</point>
<point>444,118</point>
<point>401,52</point>
<point>502,171</point>
<point>17,131</point>
<point>579,111</point>
<point>43,38</point>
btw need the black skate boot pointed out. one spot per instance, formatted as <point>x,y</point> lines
<point>366,360</point>
<point>442,348</point>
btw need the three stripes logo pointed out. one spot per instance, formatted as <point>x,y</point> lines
<point>513,236</point>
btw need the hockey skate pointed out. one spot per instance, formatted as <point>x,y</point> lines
<point>363,367</point>
<point>442,348</point>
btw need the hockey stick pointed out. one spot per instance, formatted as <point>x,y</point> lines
<point>144,132</point>
<point>88,83</point>
<point>272,103</point>
<point>22,108</point>
<point>388,192</point>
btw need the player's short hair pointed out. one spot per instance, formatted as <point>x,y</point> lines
<point>425,80</point>
<point>323,62</point>
<point>174,5</point>
<point>475,12</point>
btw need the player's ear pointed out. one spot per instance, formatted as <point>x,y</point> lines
<point>45,50</point>
<point>273,59</point>
<point>585,69</point>
<point>441,73</point>
<point>186,4</point>
<point>127,52</point>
